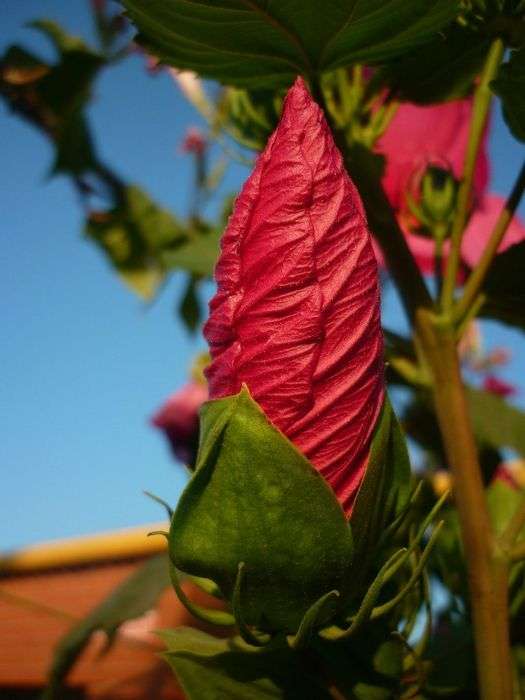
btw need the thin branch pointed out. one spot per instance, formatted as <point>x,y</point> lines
<point>479,274</point>
<point>482,100</point>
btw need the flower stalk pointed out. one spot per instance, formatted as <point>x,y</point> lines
<point>482,100</point>
<point>487,571</point>
<point>479,274</point>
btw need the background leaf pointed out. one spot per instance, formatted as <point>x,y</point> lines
<point>510,86</point>
<point>505,287</point>
<point>266,44</point>
<point>138,594</point>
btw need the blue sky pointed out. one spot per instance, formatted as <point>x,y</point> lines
<point>84,362</point>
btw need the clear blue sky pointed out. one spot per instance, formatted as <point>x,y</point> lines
<point>83,362</point>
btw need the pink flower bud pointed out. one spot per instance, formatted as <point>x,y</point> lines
<point>179,419</point>
<point>194,141</point>
<point>296,316</point>
<point>498,386</point>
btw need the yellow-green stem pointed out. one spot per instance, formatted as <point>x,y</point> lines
<point>482,99</point>
<point>487,571</point>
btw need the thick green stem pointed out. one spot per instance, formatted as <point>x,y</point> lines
<point>482,98</point>
<point>487,570</point>
<point>478,275</point>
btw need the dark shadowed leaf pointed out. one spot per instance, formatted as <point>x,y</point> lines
<point>510,86</point>
<point>189,307</point>
<point>266,44</point>
<point>52,97</point>
<point>442,69</point>
<point>209,668</point>
<point>138,594</point>
<point>505,287</point>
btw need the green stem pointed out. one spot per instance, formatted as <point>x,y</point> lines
<point>478,275</point>
<point>487,572</point>
<point>482,99</point>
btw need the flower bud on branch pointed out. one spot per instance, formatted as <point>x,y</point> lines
<point>296,316</point>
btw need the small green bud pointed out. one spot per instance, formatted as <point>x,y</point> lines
<point>438,194</point>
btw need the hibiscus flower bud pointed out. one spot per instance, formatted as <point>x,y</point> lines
<point>178,418</point>
<point>438,194</point>
<point>296,316</point>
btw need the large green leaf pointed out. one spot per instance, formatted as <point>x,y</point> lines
<point>510,86</point>
<point>505,287</point>
<point>254,498</point>
<point>138,594</point>
<point>212,669</point>
<point>261,43</point>
<point>442,69</point>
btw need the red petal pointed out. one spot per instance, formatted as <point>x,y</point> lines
<point>296,316</point>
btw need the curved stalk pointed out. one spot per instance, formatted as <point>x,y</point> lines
<point>478,275</point>
<point>482,99</point>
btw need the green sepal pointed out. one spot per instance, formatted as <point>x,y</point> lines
<point>254,498</point>
<point>384,491</point>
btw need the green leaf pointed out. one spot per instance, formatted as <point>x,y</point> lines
<point>385,488</point>
<point>138,594</point>
<point>266,44</point>
<point>209,668</point>
<point>189,307</point>
<point>505,287</point>
<point>510,86</point>
<point>254,498</point>
<point>442,69</point>
<point>133,236</point>
<point>503,501</point>
<point>53,97</point>
<point>62,41</point>
<point>197,255</point>
<point>495,421</point>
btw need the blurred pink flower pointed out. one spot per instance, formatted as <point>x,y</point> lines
<point>498,386</point>
<point>194,141</point>
<point>437,135</point>
<point>421,136</point>
<point>179,419</point>
<point>475,238</point>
